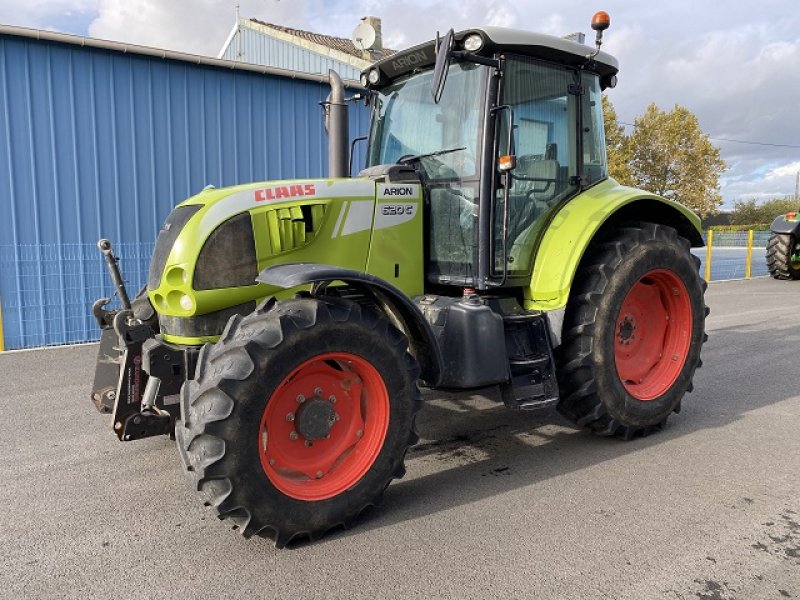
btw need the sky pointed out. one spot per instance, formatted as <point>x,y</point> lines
<point>736,65</point>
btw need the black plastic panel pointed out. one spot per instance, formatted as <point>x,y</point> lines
<point>471,338</point>
<point>174,224</point>
<point>228,258</point>
<point>203,325</point>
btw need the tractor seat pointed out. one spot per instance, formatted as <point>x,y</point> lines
<point>534,188</point>
<point>536,178</point>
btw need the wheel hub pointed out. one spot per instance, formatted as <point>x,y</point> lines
<point>626,328</point>
<point>314,419</point>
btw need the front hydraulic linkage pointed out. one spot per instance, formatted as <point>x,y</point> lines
<point>121,382</point>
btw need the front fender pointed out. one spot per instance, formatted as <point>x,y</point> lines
<point>395,304</point>
<point>575,225</point>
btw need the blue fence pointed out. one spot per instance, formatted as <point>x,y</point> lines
<point>49,296</point>
<point>729,255</point>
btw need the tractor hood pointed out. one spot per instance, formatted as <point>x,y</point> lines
<point>213,245</point>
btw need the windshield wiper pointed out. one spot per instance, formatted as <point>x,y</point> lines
<point>412,157</point>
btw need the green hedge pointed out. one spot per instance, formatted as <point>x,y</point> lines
<point>756,227</point>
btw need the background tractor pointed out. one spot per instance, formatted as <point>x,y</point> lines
<point>286,325</point>
<point>783,247</point>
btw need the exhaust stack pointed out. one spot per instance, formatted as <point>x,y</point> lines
<point>337,126</point>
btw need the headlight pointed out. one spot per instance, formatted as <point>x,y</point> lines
<point>374,76</point>
<point>186,302</point>
<point>363,80</point>
<point>473,43</point>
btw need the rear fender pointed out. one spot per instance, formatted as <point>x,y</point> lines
<point>398,307</point>
<point>782,224</point>
<point>587,217</point>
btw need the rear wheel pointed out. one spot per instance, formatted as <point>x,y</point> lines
<point>783,256</point>
<point>633,330</point>
<point>299,417</point>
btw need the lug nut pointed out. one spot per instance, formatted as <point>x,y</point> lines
<point>335,416</point>
<point>332,399</point>
<point>290,417</point>
<point>318,391</point>
<point>319,474</point>
<point>293,435</point>
<point>308,443</point>
<point>300,398</point>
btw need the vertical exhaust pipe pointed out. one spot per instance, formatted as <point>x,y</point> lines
<point>337,126</point>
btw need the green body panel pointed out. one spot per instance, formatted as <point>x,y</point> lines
<point>345,223</point>
<point>569,234</point>
<point>396,253</point>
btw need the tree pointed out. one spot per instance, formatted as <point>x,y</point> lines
<point>616,145</point>
<point>672,157</point>
<point>749,212</point>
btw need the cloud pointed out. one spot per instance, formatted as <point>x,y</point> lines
<point>201,30</point>
<point>790,169</point>
<point>59,15</point>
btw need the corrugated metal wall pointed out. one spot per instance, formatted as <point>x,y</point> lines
<point>97,143</point>
<point>254,47</point>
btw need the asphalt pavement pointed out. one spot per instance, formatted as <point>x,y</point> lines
<point>495,504</point>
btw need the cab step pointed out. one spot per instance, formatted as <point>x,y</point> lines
<point>532,384</point>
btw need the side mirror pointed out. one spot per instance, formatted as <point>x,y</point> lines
<point>443,49</point>
<point>507,159</point>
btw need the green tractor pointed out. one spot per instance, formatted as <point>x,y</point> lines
<point>783,247</point>
<point>286,325</point>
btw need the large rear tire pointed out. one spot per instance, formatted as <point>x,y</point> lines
<point>633,330</point>
<point>299,417</point>
<point>780,250</point>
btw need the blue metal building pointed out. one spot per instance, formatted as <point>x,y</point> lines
<point>100,139</point>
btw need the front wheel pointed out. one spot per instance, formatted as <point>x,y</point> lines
<point>633,330</point>
<point>299,417</point>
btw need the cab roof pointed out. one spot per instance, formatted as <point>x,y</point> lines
<point>499,40</point>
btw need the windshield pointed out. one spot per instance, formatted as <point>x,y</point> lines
<point>408,123</point>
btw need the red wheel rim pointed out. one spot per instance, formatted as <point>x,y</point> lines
<point>324,426</point>
<point>653,334</point>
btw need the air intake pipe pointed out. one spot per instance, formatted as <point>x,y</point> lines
<point>337,126</point>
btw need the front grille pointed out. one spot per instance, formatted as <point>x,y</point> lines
<point>293,227</point>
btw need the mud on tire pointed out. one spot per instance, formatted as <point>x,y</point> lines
<point>248,461</point>
<point>621,370</point>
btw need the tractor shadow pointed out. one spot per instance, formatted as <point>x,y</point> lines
<point>473,448</point>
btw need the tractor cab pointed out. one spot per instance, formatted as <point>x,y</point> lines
<point>503,127</point>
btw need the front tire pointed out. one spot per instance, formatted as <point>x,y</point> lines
<point>780,250</point>
<point>299,417</point>
<point>633,330</point>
